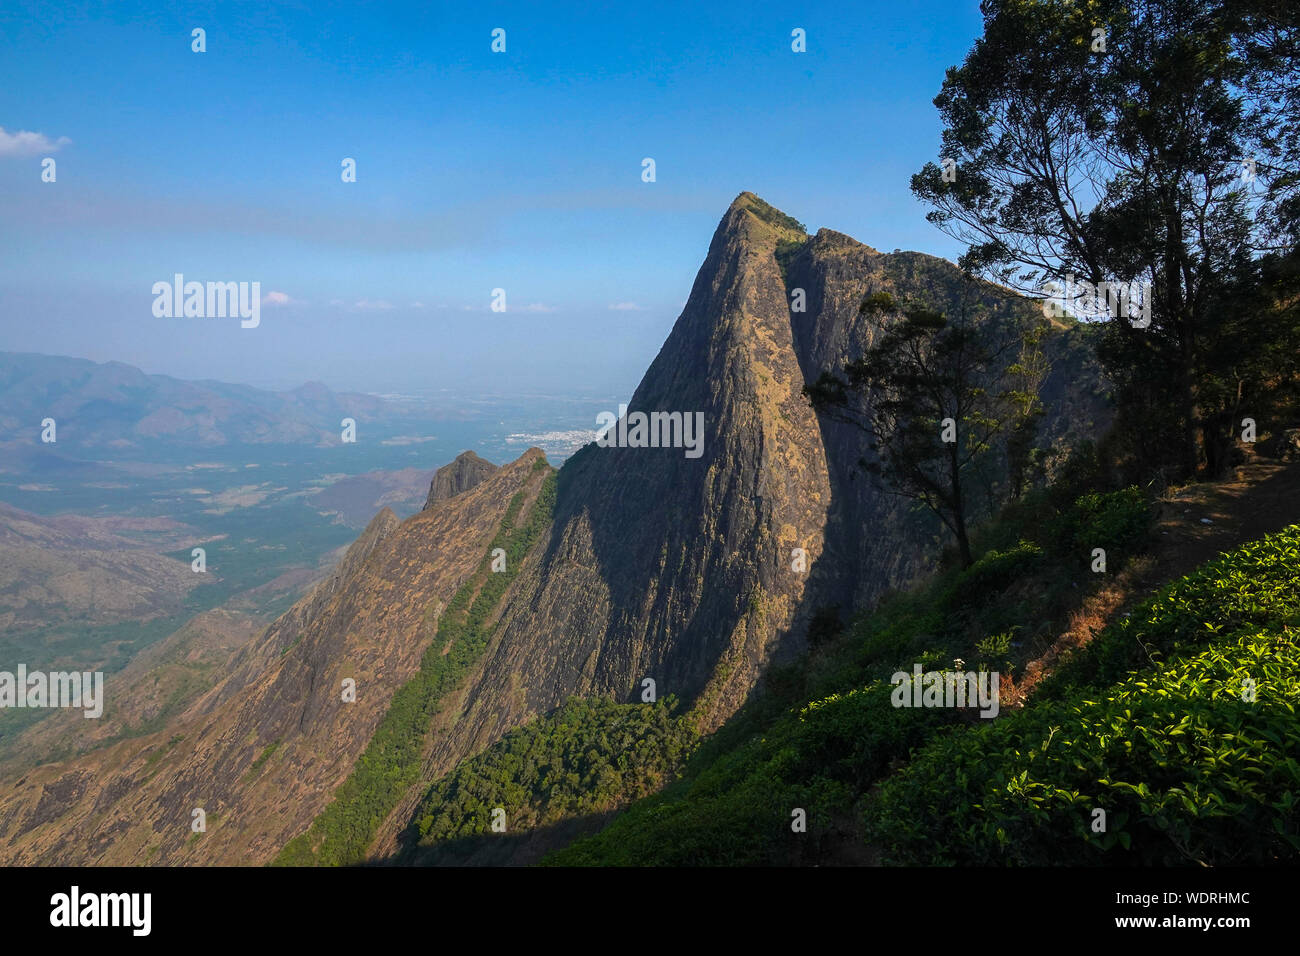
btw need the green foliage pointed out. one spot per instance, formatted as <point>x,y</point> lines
<point>993,573</point>
<point>262,758</point>
<point>736,811</point>
<point>390,764</point>
<point>1187,767</point>
<point>1180,86</point>
<point>878,303</point>
<point>773,216</point>
<point>786,250</point>
<point>1252,587</point>
<point>994,652</point>
<point>587,757</point>
<point>1117,521</point>
<point>1187,771</point>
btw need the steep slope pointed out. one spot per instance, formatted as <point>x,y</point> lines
<point>836,273</point>
<point>263,751</point>
<point>458,476</point>
<point>676,564</point>
<point>682,570</point>
<point>670,567</point>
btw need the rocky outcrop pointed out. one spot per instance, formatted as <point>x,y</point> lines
<point>458,477</point>
<point>669,567</point>
<point>695,567</point>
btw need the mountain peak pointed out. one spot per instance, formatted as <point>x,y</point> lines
<point>763,211</point>
<point>457,477</point>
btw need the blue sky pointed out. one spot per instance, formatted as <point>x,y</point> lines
<point>475,170</point>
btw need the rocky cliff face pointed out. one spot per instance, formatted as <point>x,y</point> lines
<point>459,476</point>
<point>664,566</point>
<point>683,570</point>
<point>262,752</point>
<point>693,567</point>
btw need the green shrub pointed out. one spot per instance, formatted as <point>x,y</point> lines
<point>770,214</point>
<point>1253,586</point>
<point>878,303</point>
<point>994,652</point>
<point>1186,771</point>
<point>1117,521</point>
<point>588,756</point>
<point>994,573</point>
<point>1187,767</point>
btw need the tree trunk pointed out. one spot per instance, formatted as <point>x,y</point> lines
<point>963,542</point>
<point>959,506</point>
<point>1187,399</point>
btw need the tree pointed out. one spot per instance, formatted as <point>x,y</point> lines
<point>1024,457</point>
<point>1267,39</point>
<point>934,396</point>
<point>1106,140</point>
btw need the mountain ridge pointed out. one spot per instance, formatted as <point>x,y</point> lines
<point>655,566</point>
<point>112,404</point>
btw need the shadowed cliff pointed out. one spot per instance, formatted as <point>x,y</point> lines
<point>657,564</point>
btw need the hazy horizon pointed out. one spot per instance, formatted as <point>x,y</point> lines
<point>475,170</point>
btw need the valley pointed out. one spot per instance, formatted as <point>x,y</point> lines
<point>465,682</point>
<point>610,589</point>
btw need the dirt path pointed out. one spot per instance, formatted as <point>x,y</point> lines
<point>1194,524</point>
<point>1261,498</point>
<point>1264,497</point>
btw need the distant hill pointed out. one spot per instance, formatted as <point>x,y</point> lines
<point>355,499</point>
<point>94,571</point>
<point>113,405</point>
<point>631,563</point>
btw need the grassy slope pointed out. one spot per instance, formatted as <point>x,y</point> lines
<point>1185,769</point>
<point>584,759</point>
<point>1179,723</point>
<point>390,764</point>
<point>783,752</point>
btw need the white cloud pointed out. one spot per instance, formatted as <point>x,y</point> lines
<point>626,307</point>
<point>26,143</point>
<point>276,298</point>
<point>538,307</point>
<point>376,305</point>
